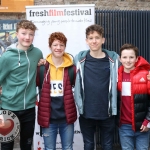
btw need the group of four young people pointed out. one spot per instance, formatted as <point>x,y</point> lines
<point>98,85</point>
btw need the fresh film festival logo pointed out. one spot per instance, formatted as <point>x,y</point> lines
<point>9,126</point>
<point>54,12</point>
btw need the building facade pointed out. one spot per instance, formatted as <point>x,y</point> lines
<point>100,4</point>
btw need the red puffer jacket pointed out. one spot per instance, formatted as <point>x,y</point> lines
<point>44,110</point>
<point>140,93</point>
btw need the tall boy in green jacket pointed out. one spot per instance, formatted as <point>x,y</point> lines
<point>17,78</point>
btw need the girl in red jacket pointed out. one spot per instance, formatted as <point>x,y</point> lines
<point>133,99</point>
<point>56,109</point>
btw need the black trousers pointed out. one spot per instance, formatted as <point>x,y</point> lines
<point>88,129</point>
<point>27,123</point>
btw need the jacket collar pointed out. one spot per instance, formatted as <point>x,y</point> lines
<point>111,55</point>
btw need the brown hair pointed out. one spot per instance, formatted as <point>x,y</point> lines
<point>99,29</point>
<point>129,47</point>
<point>26,24</point>
<point>57,36</point>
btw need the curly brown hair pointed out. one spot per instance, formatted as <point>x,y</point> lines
<point>57,36</point>
<point>26,24</point>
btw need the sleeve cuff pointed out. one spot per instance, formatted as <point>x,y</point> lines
<point>145,123</point>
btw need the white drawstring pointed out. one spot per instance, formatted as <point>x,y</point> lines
<point>19,57</point>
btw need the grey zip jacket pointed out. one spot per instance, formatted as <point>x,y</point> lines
<point>79,84</point>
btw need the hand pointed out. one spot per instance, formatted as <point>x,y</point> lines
<point>41,62</point>
<point>144,128</point>
<point>148,76</point>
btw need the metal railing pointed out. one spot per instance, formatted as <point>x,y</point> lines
<point>125,26</point>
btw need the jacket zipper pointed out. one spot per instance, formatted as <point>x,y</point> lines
<point>27,79</point>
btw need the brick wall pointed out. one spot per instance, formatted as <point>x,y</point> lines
<point>101,4</point>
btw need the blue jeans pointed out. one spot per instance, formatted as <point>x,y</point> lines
<point>88,129</point>
<point>66,134</point>
<point>130,139</point>
<point>27,122</point>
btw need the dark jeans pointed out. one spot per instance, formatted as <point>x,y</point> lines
<point>88,128</point>
<point>27,122</point>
